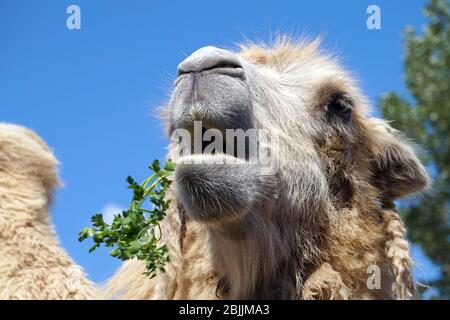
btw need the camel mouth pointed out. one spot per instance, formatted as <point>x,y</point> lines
<point>224,144</point>
<point>204,139</point>
<point>211,106</point>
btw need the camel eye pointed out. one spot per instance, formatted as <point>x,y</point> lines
<point>340,106</point>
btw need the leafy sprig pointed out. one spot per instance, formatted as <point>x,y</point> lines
<point>132,233</point>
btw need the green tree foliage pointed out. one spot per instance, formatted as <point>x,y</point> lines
<point>427,121</point>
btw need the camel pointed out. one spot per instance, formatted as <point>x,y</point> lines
<point>321,225</point>
<point>33,264</point>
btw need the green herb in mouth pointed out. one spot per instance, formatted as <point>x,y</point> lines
<point>132,233</point>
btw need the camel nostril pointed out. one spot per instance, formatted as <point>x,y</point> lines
<point>224,64</point>
<point>219,65</point>
<point>210,58</point>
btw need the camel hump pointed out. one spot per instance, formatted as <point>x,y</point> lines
<point>33,264</point>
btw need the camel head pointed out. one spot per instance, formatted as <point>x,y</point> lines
<point>275,200</point>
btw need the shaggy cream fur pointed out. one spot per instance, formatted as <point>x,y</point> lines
<point>33,265</point>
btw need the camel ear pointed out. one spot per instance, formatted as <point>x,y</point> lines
<point>396,170</point>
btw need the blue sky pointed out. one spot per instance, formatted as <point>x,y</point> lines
<point>92,93</point>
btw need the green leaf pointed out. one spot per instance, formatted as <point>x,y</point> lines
<point>169,165</point>
<point>131,234</point>
<point>94,247</point>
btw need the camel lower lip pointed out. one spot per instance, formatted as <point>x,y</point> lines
<point>210,159</point>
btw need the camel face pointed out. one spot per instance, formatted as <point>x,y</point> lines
<point>213,94</point>
<point>321,138</point>
<point>300,105</point>
<point>334,171</point>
